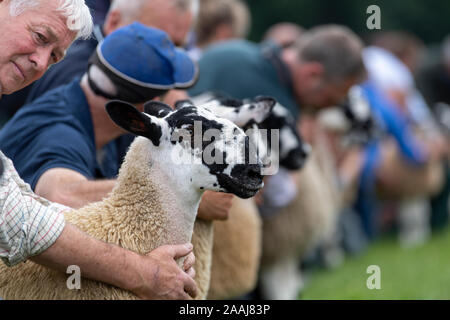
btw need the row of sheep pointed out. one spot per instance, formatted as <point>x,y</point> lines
<point>155,203</point>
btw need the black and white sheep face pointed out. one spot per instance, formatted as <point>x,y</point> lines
<point>211,152</point>
<point>246,116</point>
<point>283,143</point>
<point>353,119</point>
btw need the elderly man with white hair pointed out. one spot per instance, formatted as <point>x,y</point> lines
<point>35,35</point>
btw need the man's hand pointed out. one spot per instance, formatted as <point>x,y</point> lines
<point>152,276</point>
<point>162,278</point>
<point>215,205</point>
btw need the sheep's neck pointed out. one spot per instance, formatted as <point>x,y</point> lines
<point>150,201</point>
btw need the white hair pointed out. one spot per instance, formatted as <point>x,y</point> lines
<point>131,9</point>
<point>76,12</point>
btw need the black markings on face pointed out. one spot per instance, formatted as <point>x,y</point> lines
<point>185,118</point>
<point>157,109</point>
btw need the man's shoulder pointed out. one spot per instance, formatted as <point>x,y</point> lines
<point>230,50</point>
<point>55,102</point>
<point>55,108</point>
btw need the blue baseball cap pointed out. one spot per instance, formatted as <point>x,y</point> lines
<point>142,62</point>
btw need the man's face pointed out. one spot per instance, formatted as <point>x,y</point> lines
<point>30,43</point>
<point>164,15</point>
<point>314,91</point>
<point>328,94</point>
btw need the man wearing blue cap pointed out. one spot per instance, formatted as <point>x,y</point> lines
<point>63,142</point>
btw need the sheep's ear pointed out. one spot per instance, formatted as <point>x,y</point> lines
<point>157,109</point>
<point>255,111</point>
<point>183,103</point>
<point>129,118</point>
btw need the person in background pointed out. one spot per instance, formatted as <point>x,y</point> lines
<point>390,62</point>
<point>314,73</point>
<point>284,34</point>
<point>219,20</point>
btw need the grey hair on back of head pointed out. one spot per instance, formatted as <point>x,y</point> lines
<point>76,12</point>
<point>336,47</point>
<point>132,9</point>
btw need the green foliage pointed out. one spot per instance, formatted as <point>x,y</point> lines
<point>427,19</point>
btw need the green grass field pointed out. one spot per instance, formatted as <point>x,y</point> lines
<point>406,273</point>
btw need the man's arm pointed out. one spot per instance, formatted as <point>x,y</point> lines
<point>71,188</point>
<point>74,190</point>
<point>215,205</point>
<point>152,276</point>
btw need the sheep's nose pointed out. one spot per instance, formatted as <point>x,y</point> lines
<point>252,171</point>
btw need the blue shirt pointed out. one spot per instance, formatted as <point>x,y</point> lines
<point>56,131</point>
<point>394,124</point>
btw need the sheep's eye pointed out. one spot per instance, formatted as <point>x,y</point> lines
<point>189,129</point>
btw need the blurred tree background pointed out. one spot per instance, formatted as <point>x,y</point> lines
<point>429,20</point>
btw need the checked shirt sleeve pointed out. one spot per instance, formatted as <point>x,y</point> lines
<point>29,224</point>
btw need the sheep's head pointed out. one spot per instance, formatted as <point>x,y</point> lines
<point>211,152</point>
<point>291,152</point>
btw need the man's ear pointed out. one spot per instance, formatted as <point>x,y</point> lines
<point>131,119</point>
<point>113,21</point>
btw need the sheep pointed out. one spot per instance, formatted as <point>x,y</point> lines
<point>237,241</point>
<point>154,202</point>
<point>254,111</point>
